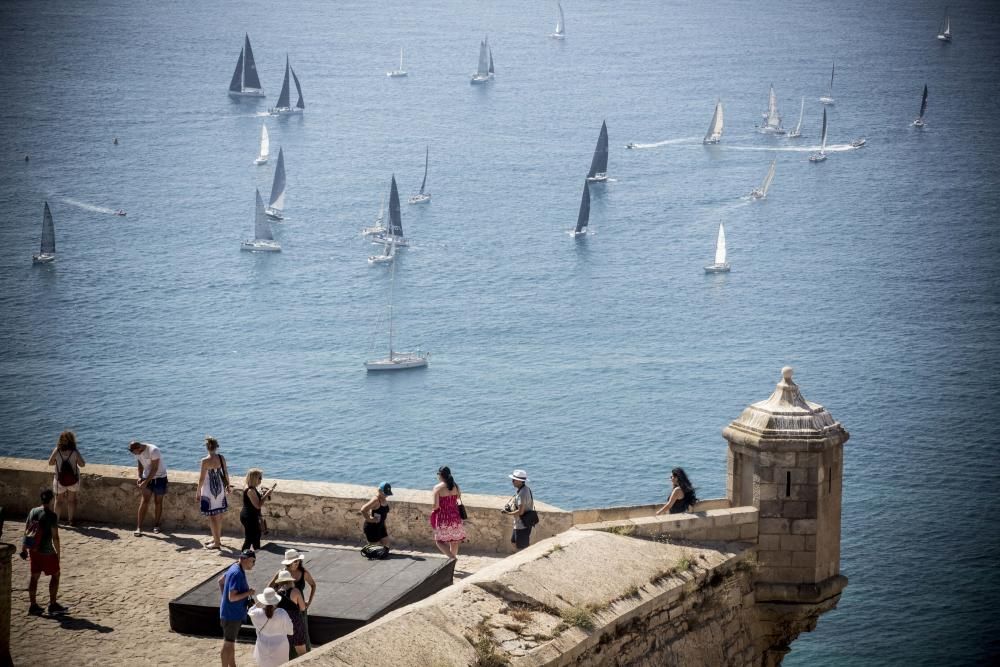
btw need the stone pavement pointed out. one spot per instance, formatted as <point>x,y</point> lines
<point>117,587</point>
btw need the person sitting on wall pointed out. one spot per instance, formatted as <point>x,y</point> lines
<point>682,497</point>
<point>374,513</point>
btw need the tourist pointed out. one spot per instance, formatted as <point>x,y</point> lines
<point>213,485</point>
<point>273,627</point>
<point>449,531</point>
<point>41,533</point>
<point>152,482</point>
<point>521,502</point>
<point>253,500</point>
<point>374,513</point>
<point>682,497</point>
<point>294,604</point>
<point>235,591</point>
<point>67,460</point>
<point>294,563</point>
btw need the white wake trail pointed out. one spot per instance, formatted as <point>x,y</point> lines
<point>831,148</point>
<point>667,142</point>
<point>88,207</point>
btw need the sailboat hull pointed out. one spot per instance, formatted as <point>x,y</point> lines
<point>598,178</point>
<point>248,92</point>
<point>757,194</point>
<point>826,100</point>
<point>274,214</point>
<point>793,134</point>
<point>260,245</point>
<point>378,238</point>
<point>817,157</point>
<point>259,161</point>
<point>918,123</point>
<point>717,268</point>
<point>944,38</point>
<point>399,361</point>
<point>557,35</point>
<point>477,79</point>
<point>282,111</point>
<point>707,142</point>
<point>43,258</point>
<point>419,198</point>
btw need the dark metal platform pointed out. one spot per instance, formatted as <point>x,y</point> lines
<point>350,590</point>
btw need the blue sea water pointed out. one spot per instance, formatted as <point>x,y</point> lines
<point>597,364</point>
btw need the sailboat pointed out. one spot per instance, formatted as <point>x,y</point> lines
<point>919,122</point>
<point>378,227</point>
<point>772,119</point>
<point>47,251</point>
<point>583,218</point>
<point>398,72</point>
<point>422,196</point>
<point>715,127</point>
<point>761,192</point>
<point>265,146</point>
<point>388,253</point>
<point>720,265</point>
<point>482,74</point>
<point>276,204</point>
<point>395,227</point>
<point>245,82</point>
<point>492,71</point>
<point>396,361</point>
<point>263,240</point>
<point>599,164</point>
<point>819,157</point>
<point>284,104</point>
<point>828,98</point>
<point>945,34</point>
<point>797,132</point>
<point>560,32</point>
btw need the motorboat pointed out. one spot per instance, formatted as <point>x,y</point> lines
<point>859,142</point>
<point>263,240</point>
<point>631,145</point>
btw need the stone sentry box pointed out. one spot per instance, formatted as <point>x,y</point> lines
<point>786,459</point>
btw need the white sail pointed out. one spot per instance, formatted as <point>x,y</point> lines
<point>261,230</point>
<point>767,179</point>
<point>798,126</point>
<point>715,127</point>
<point>401,59</point>
<point>947,26</point>
<point>483,69</point>
<point>773,118</point>
<point>265,143</point>
<point>561,24</point>
<point>720,246</point>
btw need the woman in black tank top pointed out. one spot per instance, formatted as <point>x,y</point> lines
<point>682,496</point>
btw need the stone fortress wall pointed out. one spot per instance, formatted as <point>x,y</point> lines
<point>733,582</point>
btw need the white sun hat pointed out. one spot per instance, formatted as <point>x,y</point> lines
<point>291,556</point>
<point>269,597</point>
<point>519,475</point>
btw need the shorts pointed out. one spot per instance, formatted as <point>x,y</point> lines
<point>158,485</point>
<point>521,537</point>
<point>230,629</point>
<point>44,563</point>
<point>58,488</point>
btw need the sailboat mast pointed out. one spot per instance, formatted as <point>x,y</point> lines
<point>392,284</point>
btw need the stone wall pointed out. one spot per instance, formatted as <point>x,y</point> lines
<point>738,524</point>
<point>297,509</point>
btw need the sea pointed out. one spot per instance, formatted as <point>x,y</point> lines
<point>596,364</point>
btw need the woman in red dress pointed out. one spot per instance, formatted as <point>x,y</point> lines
<point>449,532</point>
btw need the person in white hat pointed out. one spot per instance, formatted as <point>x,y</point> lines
<point>522,502</point>
<point>291,582</point>
<point>273,627</point>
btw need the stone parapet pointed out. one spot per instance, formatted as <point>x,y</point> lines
<point>738,524</point>
<point>597,515</point>
<point>297,509</point>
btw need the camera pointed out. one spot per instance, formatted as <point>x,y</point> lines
<point>508,508</point>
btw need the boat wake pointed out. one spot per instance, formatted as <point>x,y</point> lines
<point>667,142</point>
<point>830,148</point>
<point>89,207</point>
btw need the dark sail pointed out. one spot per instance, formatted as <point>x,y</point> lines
<point>301,104</point>
<point>584,217</point>
<point>599,165</point>
<point>284,99</point>
<point>48,232</point>
<point>923,102</point>
<point>236,84</point>
<point>426,158</point>
<point>491,61</point>
<point>395,220</point>
<point>250,78</point>
<point>261,230</point>
<point>277,201</point>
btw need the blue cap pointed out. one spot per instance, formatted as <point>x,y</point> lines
<point>385,488</point>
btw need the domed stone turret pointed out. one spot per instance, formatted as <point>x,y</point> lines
<point>786,459</point>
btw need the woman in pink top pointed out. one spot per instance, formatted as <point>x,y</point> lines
<point>449,531</point>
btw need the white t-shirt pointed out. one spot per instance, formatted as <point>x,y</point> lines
<point>146,457</point>
<point>271,648</point>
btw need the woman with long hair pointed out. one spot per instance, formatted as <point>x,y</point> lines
<point>294,604</point>
<point>273,627</point>
<point>449,531</point>
<point>213,485</point>
<point>253,501</point>
<point>67,460</point>
<point>294,564</point>
<point>682,496</point>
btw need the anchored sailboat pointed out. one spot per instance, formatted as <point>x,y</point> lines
<point>599,164</point>
<point>394,230</point>
<point>560,32</point>
<point>772,119</point>
<point>263,240</point>
<point>378,227</point>
<point>483,70</point>
<point>720,265</point>
<point>797,132</point>
<point>583,218</point>
<point>715,127</point>
<point>945,34</point>
<point>761,192</point>
<point>265,146</point>
<point>47,251</point>
<point>245,82</point>
<point>396,361</point>
<point>284,104</point>
<point>422,196</point>
<point>919,122</point>
<point>828,98</point>
<point>819,157</point>
<point>276,204</point>
<point>398,72</point>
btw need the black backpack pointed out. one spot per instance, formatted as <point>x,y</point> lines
<point>375,551</point>
<point>67,475</point>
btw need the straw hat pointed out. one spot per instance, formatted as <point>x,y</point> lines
<point>269,597</point>
<point>291,556</point>
<point>519,475</point>
<point>284,577</point>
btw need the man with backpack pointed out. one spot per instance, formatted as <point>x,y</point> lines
<point>41,541</point>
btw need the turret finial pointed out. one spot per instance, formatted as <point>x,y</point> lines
<point>786,373</point>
